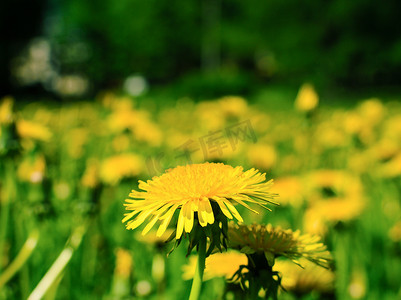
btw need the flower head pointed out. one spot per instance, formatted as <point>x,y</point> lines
<point>217,265</point>
<point>275,242</point>
<point>194,189</point>
<point>117,167</point>
<point>307,99</point>
<point>304,280</point>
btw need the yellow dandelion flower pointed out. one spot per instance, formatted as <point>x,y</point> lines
<point>32,169</point>
<point>290,189</point>
<point>117,167</point>
<point>333,210</point>
<point>6,110</point>
<point>357,286</point>
<point>262,156</point>
<point>31,130</point>
<point>395,232</point>
<point>307,98</point>
<point>90,178</point>
<point>217,265</point>
<point>275,242</point>
<point>123,263</point>
<point>194,189</point>
<point>305,280</point>
<point>233,106</point>
<point>372,110</point>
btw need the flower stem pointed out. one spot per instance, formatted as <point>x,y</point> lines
<point>200,267</point>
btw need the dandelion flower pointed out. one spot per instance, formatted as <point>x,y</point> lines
<point>217,265</point>
<point>194,189</point>
<point>307,98</point>
<point>31,130</point>
<point>6,110</point>
<point>304,280</point>
<point>275,242</point>
<point>117,167</point>
<point>32,169</point>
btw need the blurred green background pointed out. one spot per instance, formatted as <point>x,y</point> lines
<point>203,48</point>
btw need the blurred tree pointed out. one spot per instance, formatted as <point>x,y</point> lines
<point>20,20</point>
<point>353,43</point>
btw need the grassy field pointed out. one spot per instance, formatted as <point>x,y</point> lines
<point>66,170</point>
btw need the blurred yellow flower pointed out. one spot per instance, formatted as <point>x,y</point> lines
<point>307,98</point>
<point>324,184</point>
<point>275,242</point>
<point>333,210</point>
<point>217,265</point>
<point>90,177</point>
<point>31,130</point>
<point>123,263</point>
<point>357,286</point>
<point>301,281</point>
<point>262,156</point>
<point>193,189</point>
<point>395,232</point>
<point>290,190</point>
<point>6,110</point>
<point>391,168</point>
<point>233,106</point>
<point>32,169</point>
<point>372,111</point>
<point>117,167</point>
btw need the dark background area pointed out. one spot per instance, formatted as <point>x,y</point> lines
<point>206,48</point>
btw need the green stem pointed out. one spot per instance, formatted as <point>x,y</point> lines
<point>21,258</point>
<point>7,196</point>
<point>200,267</point>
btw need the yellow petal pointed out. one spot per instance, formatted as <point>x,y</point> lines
<point>166,220</point>
<point>180,225</point>
<point>139,219</point>
<point>222,206</point>
<point>233,210</point>
<point>206,212</point>
<point>189,217</point>
<point>150,225</point>
<point>129,215</point>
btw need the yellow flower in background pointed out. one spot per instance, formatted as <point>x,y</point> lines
<point>304,280</point>
<point>290,190</point>
<point>395,232</point>
<point>217,265</point>
<point>372,111</point>
<point>262,156</point>
<point>90,177</point>
<point>193,189</point>
<point>391,168</point>
<point>333,210</point>
<point>117,167</point>
<point>357,286</point>
<point>123,263</point>
<point>275,242</point>
<point>32,169</point>
<point>233,106</point>
<point>324,184</point>
<point>6,110</point>
<point>31,130</point>
<point>307,98</point>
